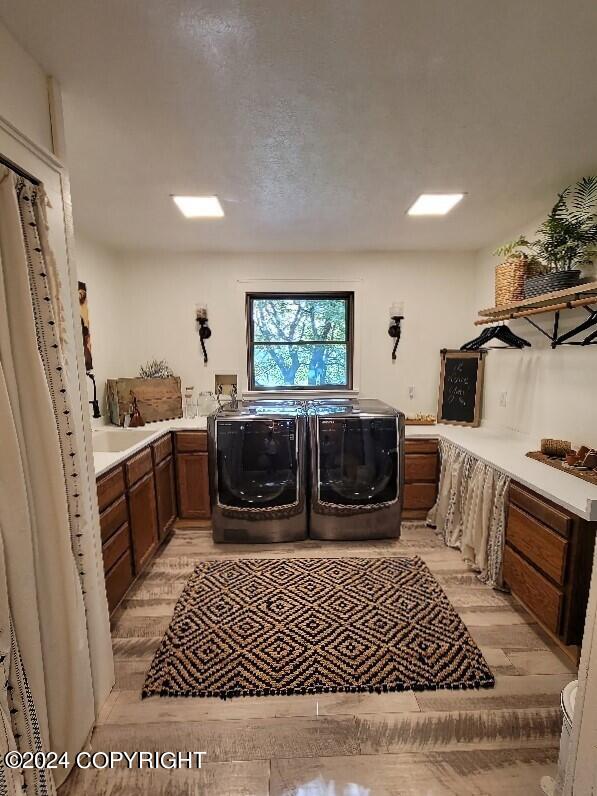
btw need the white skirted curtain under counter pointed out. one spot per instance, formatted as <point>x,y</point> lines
<point>47,699</point>
<point>470,510</point>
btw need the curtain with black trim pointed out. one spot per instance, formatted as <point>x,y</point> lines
<point>46,703</point>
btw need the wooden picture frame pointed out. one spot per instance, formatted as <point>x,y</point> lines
<point>451,356</point>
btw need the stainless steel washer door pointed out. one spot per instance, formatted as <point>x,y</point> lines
<point>357,461</point>
<point>257,463</point>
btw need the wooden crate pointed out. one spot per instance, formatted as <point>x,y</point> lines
<point>158,399</point>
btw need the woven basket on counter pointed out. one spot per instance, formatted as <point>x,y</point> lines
<point>555,447</point>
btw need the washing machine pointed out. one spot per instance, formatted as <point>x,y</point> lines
<point>257,471</point>
<point>357,469</point>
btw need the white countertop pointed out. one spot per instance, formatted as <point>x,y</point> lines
<point>104,461</point>
<point>504,450</point>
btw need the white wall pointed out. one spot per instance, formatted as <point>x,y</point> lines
<point>100,270</point>
<point>550,393</point>
<point>160,293</point>
<point>23,91</point>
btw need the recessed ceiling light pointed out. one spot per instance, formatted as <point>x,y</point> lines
<point>199,206</point>
<point>434,204</point>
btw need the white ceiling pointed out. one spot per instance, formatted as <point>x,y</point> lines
<point>317,122</point>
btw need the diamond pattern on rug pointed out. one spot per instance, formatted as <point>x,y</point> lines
<point>254,627</point>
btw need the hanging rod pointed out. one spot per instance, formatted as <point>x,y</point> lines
<point>18,170</point>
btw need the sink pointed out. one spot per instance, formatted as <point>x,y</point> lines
<point>114,440</point>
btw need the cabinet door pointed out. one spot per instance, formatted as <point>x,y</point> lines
<point>193,485</point>
<point>165,496</point>
<point>143,520</point>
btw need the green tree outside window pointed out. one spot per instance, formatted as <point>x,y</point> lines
<point>300,341</point>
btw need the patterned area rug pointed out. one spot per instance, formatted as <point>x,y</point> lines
<point>302,626</point>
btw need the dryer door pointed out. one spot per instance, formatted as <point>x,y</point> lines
<point>257,463</point>
<point>357,460</point>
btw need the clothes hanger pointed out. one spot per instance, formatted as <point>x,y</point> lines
<point>502,333</point>
<point>507,336</point>
<point>484,337</point>
<point>586,324</point>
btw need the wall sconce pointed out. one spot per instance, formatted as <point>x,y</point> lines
<point>204,330</point>
<point>94,403</point>
<point>395,330</point>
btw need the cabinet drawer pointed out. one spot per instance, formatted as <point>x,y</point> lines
<point>162,449</point>
<point>419,496</point>
<point>118,580</point>
<point>113,517</point>
<point>137,466</point>
<point>115,547</point>
<point>544,547</point>
<point>110,487</point>
<point>420,467</point>
<point>191,441</point>
<point>540,596</point>
<point>420,446</point>
<point>540,508</point>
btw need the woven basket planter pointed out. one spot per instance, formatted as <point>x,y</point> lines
<point>509,280</point>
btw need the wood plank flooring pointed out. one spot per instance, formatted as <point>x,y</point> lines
<point>499,741</point>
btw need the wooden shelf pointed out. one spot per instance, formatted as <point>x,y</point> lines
<point>577,296</point>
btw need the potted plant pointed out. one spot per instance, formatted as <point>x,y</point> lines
<point>566,241</point>
<point>510,275</point>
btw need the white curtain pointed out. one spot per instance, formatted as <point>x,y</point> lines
<point>470,510</point>
<point>47,702</point>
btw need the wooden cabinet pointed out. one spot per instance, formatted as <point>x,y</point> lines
<point>138,504</point>
<point>421,472</point>
<point>137,466</point>
<point>165,493</point>
<point>192,475</point>
<point>114,528</point>
<point>143,520</point>
<point>193,486</point>
<point>110,487</point>
<point>547,562</point>
<point>537,593</point>
<point>118,580</point>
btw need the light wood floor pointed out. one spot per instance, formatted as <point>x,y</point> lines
<point>499,741</point>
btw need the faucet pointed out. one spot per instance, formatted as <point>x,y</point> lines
<point>233,402</point>
<point>94,403</point>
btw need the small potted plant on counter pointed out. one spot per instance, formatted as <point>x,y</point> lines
<point>566,241</point>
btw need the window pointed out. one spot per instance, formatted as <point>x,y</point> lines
<point>299,341</point>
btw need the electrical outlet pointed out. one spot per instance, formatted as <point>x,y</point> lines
<point>504,399</point>
<point>411,392</point>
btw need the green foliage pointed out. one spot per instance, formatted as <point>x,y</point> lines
<point>300,342</point>
<point>568,236</point>
<point>567,239</point>
<point>512,249</point>
<point>155,369</point>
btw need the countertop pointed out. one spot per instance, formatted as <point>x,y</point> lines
<point>503,450</point>
<point>104,461</point>
<point>506,451</point>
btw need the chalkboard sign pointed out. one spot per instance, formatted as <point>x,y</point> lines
<point>460,388</point>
